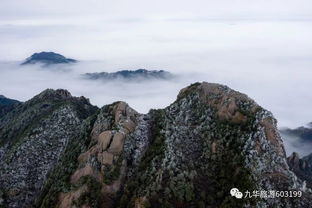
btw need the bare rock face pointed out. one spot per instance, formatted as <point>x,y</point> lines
<point>100,165</point>
<point>189,154</point>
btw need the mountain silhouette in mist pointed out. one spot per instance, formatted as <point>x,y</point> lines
<point>134,75</point>
<point>48,58</point>
<point>304,133</point>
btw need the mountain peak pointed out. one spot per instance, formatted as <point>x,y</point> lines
<point>48,58</point>
<point>189,154</point>
<point>229,104</point>
<point>59,93</point>
<point>208,89</point>
<point>56,96</point>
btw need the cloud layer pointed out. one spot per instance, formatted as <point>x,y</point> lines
<point>261,48</point>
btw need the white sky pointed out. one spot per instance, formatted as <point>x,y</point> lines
<point>16,9</point>
<point>97,29</point>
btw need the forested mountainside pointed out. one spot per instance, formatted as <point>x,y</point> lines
<point>57,150</point>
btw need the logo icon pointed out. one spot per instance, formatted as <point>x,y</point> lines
<point>236,193</point>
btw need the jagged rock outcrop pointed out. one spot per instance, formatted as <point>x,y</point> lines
<point>99,167</point>
<point>48,58</point>
<point>189,154</point>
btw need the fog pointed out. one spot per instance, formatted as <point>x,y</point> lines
<point>269,61</point>
<point>262,49</point>
<point>295,144</point>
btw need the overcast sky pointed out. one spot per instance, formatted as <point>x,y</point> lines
<point>262,48</point>
<point>30,9</point>
<point>97,29</point>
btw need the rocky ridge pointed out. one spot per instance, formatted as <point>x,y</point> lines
<point>304,133</point>
<point>189,154</point>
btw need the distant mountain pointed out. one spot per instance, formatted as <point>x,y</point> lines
<point>140,74</point>
<point>6,105</point>
<point>302,167</point>
<point>304,133</point>
<point>48,58</point>
<point>7,101</point>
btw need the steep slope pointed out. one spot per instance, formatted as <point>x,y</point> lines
<point>100,169</point>
<point>33,137</point>
<point>190,154</point>
<point>211,140</point>
<point>302,167</point>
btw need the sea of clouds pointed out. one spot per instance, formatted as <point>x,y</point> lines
<point>266,55</point>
